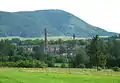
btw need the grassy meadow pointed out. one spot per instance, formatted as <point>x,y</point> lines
<point>57,75</point>
<point>49,38</point>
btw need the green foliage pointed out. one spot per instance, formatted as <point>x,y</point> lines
<point>116,69</point>
<point>81,58</point>
<point>60,59</point>
<point>8,64</point>
<point>4,58</point>
<point>97,50</point>
<point>63,65</point>
<point>15,58</point>
<point>81,66</point>
<point>6,48</point>
<point>99,69</point>
<point>113,53</point>
<point>24,63</point>
<point>102,60</point>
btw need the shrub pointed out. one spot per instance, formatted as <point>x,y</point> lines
<point>39,64</point>
<point>7,64</point>
<point>81,66</point>
<point>1,64</point>
<point>116,69</point>
<point>24,63</point>
<point>99,69</point>
<point>20,63</point>
<point>50,63</point>
<point>63,65</point>
<point>31,63</point>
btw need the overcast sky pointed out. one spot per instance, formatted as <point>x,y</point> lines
<point>101,13</point>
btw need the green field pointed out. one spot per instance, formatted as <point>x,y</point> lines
<point>54,75</point>
<point>49,38</point>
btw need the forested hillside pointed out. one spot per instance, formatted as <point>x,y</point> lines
<point>57,22</point>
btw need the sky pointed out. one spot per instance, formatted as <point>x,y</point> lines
<point>101,13</point>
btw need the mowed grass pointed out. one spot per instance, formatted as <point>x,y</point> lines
<point>57,75</point>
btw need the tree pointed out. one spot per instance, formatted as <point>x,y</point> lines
<point>50,60</point>
<point>114,53</point>
<point>96,52</point>
<point>16,41</point>
<point>81,58</point>
<point>21,51</point>
<point>102,60</point>
<point>6,48</point>
<point>60,59</point>
<point>92,50</point>
<point>37,53</point>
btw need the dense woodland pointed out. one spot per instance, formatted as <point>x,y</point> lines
<point>91,53</point>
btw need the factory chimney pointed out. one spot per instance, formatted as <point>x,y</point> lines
<point>73,36</point>
<point>45,42</point>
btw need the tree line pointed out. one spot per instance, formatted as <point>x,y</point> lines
<point>91,53</point>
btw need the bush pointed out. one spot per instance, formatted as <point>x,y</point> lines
<point>7,64</point>
<point>31,64</point>
<point>99,69</point>
<point>81,66</point>
<point>63,65</point>
<point>24,63</point>
<point>0,64</point>
<point>116,69</point>
<point>20,63</point>
<point>39,64</point>
<point>50,63</point>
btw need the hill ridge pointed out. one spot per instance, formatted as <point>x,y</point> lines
<point>57,22</point>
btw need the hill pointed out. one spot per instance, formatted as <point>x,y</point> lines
<point>57,22</point>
